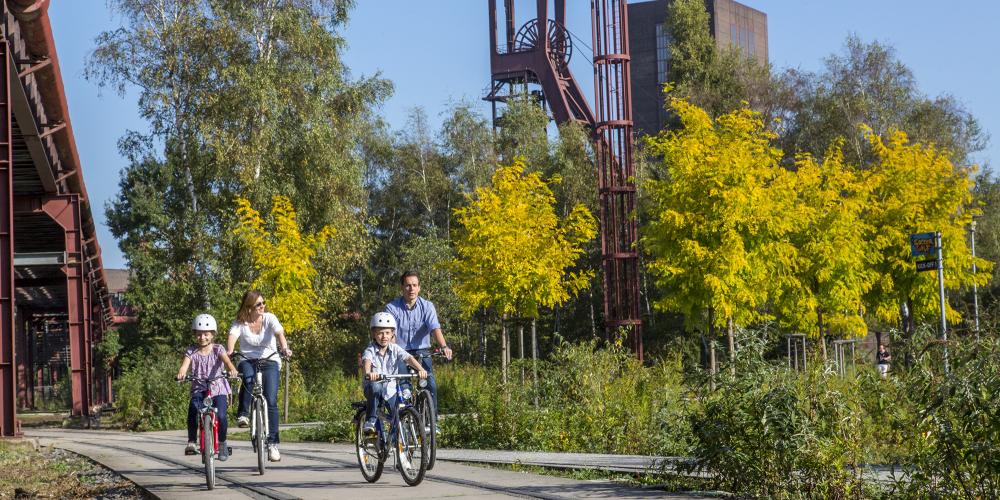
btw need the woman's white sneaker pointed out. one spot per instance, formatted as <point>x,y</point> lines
<point>273,454</point>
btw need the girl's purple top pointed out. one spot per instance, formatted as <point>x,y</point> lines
<point>208,366</point>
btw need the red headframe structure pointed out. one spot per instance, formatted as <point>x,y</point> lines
<point>538,53</point>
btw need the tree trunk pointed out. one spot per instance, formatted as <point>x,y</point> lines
<point>504,349</point>
<point>908,333</point>
<point>520,346</point>
<point>534,359</point>
<point>712,367</point>
<point>822,332</point>
<point>730,334</point>
<point>645,294</point>
<point>482,335</point>
<point>593,321</point>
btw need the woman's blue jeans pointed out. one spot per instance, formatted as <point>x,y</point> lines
<point>270,374</point>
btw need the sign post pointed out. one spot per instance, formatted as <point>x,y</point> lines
<point>929,245</point>
<point>944,324</point>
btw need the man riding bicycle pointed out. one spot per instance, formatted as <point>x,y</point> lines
<point>416,322</point>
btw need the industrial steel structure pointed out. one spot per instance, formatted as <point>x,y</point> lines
<point>54,301</point>
<point>538,53</point>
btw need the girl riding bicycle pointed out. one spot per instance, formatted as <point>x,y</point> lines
<point>382,357</point>
<point>206,361</point>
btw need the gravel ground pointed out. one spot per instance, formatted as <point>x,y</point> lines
<point>28,471</point>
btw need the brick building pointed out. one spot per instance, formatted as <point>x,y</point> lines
<point>731,23</point>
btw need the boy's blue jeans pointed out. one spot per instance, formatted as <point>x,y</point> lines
<point>270,378</point>
<point>221,403</point>
<point>375,402</point>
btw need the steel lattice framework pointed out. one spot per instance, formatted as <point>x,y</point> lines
<point>54,300</point>
<point>538,54</point>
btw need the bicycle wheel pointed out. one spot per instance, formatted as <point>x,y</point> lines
<point>411,448</point>
<point>208,452</point>
<point>425,405</point>
<point>367,450</point>
<point>260,438</point>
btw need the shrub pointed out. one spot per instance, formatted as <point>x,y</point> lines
<point>768,432</point>
<point>147,394</point>
<point>954,432</point>
<point>598,400</point>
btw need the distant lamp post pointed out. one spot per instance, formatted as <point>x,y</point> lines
<point>975,288</point>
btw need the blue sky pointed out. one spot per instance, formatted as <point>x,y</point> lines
<point>437,51</point>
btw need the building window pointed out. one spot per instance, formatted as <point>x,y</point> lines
<point>662,53</point>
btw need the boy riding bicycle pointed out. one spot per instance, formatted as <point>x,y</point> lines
<point>383,357</point>
<point>206,361</point>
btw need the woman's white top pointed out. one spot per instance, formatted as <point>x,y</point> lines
<point>258,345</point>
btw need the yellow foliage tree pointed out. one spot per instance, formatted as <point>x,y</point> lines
<point>283,257</point>
<point>834,271</point>
<point>916,189</point>
<point>720,223</point>
<point>512,251</point>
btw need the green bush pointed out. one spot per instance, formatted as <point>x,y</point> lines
<point>148,397</point>
<point>598,400</point>
<point>769,432</point>
<point>954,432</point>
<point>324,396</point>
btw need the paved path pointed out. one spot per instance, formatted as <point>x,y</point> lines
<point>156,462</point>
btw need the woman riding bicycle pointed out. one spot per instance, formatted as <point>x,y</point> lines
<point>206,361</point>
<point>259,333</point>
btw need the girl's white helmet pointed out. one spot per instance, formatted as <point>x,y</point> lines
<point>203,322</point>
<point>383,320</point>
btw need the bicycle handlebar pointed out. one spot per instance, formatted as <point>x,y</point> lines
<point>432,353</point>
<point>257,360</point>
<point>190,378</point>
<point>395,376</point>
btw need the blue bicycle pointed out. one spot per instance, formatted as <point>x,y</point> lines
<point>401,427</point>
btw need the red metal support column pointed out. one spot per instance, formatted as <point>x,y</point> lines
<point>65,210</point>
<point>88,330</point>
<point>616,173</point>
<point>8,391</point>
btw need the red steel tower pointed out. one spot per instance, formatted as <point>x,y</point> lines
<point>538,54</point>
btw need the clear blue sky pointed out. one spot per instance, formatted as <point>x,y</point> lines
<point>437,51</point>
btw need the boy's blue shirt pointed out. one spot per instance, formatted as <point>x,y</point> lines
<point>388,364</point>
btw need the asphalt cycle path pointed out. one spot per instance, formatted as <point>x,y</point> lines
<point>156,462</point>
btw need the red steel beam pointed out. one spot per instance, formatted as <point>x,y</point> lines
<point>616,172</point>
<point>8,391</point>
<point>65,210</point>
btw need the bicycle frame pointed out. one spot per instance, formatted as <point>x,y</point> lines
<point>404,399</point>
<point>259,419</point>
<point>208,407</point>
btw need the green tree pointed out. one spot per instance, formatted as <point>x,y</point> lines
<point>513,253</point>
<point>720,80</point>
<point>867,84</point>
<point>243,98</point>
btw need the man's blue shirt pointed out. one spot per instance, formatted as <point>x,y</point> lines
<point>413,326</point>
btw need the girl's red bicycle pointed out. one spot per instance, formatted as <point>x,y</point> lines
<point>208,428</point>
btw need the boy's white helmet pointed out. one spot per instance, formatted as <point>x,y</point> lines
<point>383,320</point>
<point>203,322</point>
